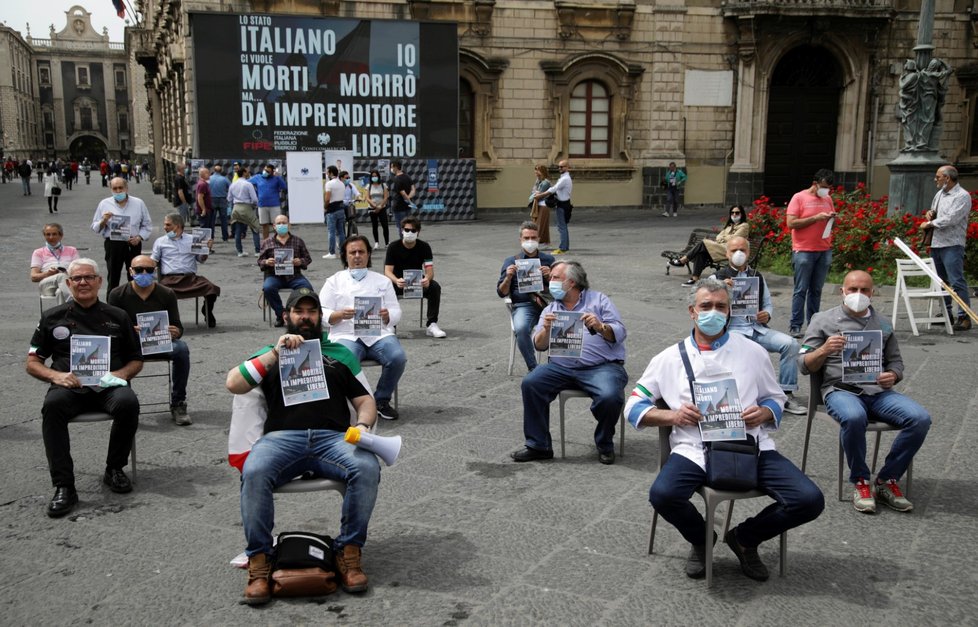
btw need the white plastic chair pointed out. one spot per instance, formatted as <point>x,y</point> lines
<point>934,294</point>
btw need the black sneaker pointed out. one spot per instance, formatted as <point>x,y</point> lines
<point>117,480</point>
<point>750,561</point>
<point>385,411</point>
<point>795,332</point>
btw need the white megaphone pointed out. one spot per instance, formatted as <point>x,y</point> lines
<point>383,447</point>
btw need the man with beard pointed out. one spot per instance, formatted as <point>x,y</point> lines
<point>306,438</point>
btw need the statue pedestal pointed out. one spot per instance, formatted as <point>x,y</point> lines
<point>912,181</point>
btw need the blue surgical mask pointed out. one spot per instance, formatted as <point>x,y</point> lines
<point>55,248</point>
<point>143,279</point>
<point>557,289</point>
<point>121,196</point>
<point>171,234</point>
<point>265,174</point>
<point>374,179</point>
<point>358,273</point>
<point>711,322</point>
<point>282,229</point>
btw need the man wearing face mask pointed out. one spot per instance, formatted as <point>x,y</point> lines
<point>282,239</point>
<point>756,328</point>
<point>526,306</point>
<point>338,296</point>
<point>269,187</point>
<point>811,253</point>
<point>599,371</point>
<point>178,266</point>
<point>852,404</point>
<point>119,253</point>
<point>144,295</point>
<point>714,354</point>
<point>411,253</point>
<point>948,218</point>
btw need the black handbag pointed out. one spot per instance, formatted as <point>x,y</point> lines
<point>550,201</point>
<point>55,191</point>
<point>730,464</point>
<point>303,565</point>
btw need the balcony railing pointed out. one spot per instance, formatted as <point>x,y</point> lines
<point>855,8</point>
<point>76,45</point>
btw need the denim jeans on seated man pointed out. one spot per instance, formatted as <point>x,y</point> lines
<point>949,263</point>
<point>388,353</point>
<point>797,499</point>
<point>853,411</point>
<point>180,358</point>
<point>273,283</point>
<point>810,268</point>
<point>786,346</point>
<point>280,456</point>
<point>525,316</point>
<point>604,383</point>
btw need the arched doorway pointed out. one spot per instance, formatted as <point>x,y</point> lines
<point>802,120</point>
<point>88,146</point>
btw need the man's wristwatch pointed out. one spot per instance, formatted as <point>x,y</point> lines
<point>363,424</point>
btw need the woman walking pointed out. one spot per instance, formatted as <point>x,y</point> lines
<point>52,188</point>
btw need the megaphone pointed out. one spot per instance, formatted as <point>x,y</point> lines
<point>383,447</point>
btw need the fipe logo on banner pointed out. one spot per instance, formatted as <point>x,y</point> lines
<point>256,145</point>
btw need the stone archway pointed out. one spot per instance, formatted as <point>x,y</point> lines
<point>802,119</point>
<point>88,146</point>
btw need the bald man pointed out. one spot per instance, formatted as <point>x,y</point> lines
<point>852,404</point>
<point>124,222</point>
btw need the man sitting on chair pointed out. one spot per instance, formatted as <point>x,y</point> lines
<point>67,397</point>
<point>526,305</point>
<point>715,355</point>
<point>144,295</point>
<point>308,437</point>
<point>854,404</point>
<point>292,278</point>
<point>411,253</point>
<point>599,371</point>
<point>179,265</point>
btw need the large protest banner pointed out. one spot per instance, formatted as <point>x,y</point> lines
<point>268,84</point>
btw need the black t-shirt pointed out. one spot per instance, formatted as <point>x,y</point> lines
<point>180,183</point>
<point>402,257</point>
<point>401,182</point>
<point>332,413</point>
<point>161,298</point>
<point>52,337</point>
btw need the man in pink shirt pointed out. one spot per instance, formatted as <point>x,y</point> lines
<point>810,213</point>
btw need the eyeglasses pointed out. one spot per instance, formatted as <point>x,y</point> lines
<point>83,278</point>
<point>409,230</point>
<point>136,270</point>
<point>356,252</point>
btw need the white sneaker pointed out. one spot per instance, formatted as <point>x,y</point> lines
<point>257,254</point>
<point>665,214</point>
<point>329,256</point>
<point>375,245</point>
<point>434,331</point>
<point>242,254</point>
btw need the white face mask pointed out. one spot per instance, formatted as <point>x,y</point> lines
<point>735,219</point>
<point>409,237</point>
<point>823,192</point>
<point>857,302</point>
<point>738,259</point>
<point>530,246</point>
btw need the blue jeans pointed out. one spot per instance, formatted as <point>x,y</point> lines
<point>604,383</point>
<point>25,181</point>
<point>221,212</point>
<point>180,358</point>
<point>796,499</point>
<point>672,199</point>
<point>398,216</point>
<point>184,210</point>
<point>853,412</point>
<point>388,352</point>
<point>274,283</point>
<point>336,229</point>
<point>562,226</point>
<point>240,229</point>
<point>811,268</point>
<point>280,456</point>
<point>525,317</point>
<point>949,263</point>
<point>785,345</point>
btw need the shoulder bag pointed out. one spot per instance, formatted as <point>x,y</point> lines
<point>303,565</point>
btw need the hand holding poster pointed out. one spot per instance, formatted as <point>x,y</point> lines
<point>719,403</point>
<point>745,296</point>
<point>283,262</point>
<point>567,334</point>
<point>302,374</point>
<point>529,277</point>
<point>366,317</point>
<point>90,355</point>
<point>119,228</point>
<point>154,332</point>
<point>412,284</point>
<point>199,243</point>
<point>862,356</point>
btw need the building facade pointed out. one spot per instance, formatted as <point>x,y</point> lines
<point>19,135</point>
<point>749,96</point>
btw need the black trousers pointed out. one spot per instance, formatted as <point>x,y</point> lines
<point>381,218</point>
<point>62,404</point>
<point>433,294</point>
<point>117,256</point>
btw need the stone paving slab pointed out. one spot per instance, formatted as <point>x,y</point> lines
<point>461,535</point>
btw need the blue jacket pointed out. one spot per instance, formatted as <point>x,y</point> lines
<point>268,189</point>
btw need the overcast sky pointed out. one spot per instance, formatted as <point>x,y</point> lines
<point>40,14</point>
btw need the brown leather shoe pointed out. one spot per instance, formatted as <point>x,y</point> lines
<point>352,577</point>
<point>257,591</point>
<point>963,324</point>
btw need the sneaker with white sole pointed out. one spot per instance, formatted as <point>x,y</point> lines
<point>329,256</point>
<point>862,498</point>
<point>375,245</point>
<point>385,411</point>
<point>434,331</point>
<point>891,495</point>
<point>242,254</point>
<point>665,214</point>
<point>794,407</point>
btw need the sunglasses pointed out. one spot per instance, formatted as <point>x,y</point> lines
<point>136,270</point>
<point>410,230</point>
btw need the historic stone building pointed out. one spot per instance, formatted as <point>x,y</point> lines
<point>749,96</point>
<point>18,107</point>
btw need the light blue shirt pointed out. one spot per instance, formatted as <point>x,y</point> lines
<point>595,349</point>
<point>219,185</point>
<point>174,255</point>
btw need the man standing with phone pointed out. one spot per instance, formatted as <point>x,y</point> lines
<point>810,217</point>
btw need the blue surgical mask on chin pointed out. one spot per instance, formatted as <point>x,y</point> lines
<point>557,290</point>
<point>711,322</point>
<point>144,280</point>
<point>171,234</point>
<point>358,273</point>
<point>54,248</point>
